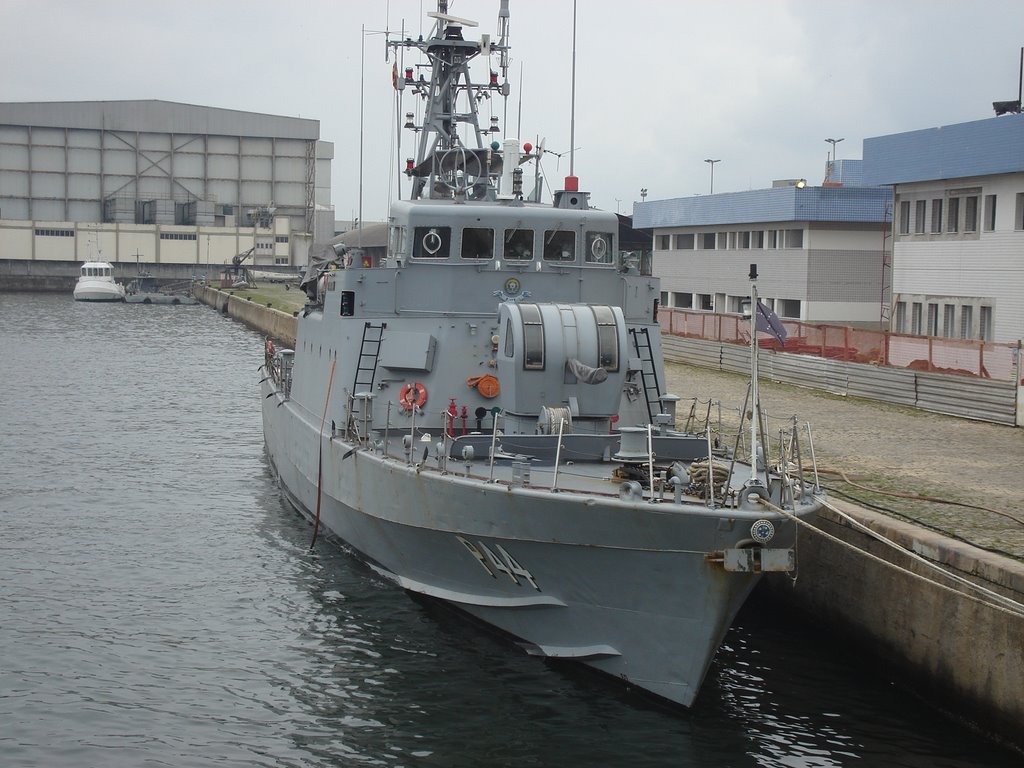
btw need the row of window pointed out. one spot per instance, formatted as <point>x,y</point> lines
<point>951,321</point>
<point>958,212</point>
<point>55,233</point>
<point>727,304</point>
<point>514,244</point>
<point>177,236</point>
<point>742,240</point>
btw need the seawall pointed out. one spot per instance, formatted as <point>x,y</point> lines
<point>962,653</point>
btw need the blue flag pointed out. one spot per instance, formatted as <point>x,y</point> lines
<point>769,322</point>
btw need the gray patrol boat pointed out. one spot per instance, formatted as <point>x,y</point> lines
<point>479,414</point>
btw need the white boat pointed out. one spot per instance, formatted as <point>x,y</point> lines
<point>96,283</point>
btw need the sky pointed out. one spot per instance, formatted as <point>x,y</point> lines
<point>661,86</point>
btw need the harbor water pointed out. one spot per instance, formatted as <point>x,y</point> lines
<point>160,605</point>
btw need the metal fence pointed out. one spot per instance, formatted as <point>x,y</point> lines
<point>969,397</point>
<point>964,357</point>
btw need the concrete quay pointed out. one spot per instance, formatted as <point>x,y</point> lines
<point>959,648</point>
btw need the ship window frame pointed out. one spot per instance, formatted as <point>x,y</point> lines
<point>532,321</point>
<point>477,238</point>
<point>592,240</point>
<point>513,244</point>
<point>554,245</point>
<point>397,239</point>
<point>607,337</point>
<point>420,246</point>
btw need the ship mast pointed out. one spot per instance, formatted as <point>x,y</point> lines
<point>444,166</point>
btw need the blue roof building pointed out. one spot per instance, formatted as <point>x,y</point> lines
<point>958,247</point>
<point>818,249</point>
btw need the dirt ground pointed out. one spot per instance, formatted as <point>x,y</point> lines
<point>889,448</point>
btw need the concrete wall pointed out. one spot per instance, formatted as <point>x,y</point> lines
<point>268,321</point>
<point>961,652</point>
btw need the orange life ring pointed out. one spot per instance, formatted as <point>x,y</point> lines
<point>487,385</point>
<point>414,394</point>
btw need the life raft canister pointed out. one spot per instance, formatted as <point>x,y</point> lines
<point>412,395</point>
<point>487,385</point>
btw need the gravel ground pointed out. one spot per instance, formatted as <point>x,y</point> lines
<point>890,448</point>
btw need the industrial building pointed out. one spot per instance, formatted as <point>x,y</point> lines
<point>819,250</point>
<point>957,269</point>
<point>160,183</point>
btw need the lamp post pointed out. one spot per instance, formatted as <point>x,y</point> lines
<point>643,194</point>
<point>833,142</point>
<point>711,162</point>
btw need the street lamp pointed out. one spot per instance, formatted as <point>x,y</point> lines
<point>711,162</point>
<point>643,193</point>
<point>833,142</point>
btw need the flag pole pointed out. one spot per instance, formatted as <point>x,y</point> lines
<point>755,415</point>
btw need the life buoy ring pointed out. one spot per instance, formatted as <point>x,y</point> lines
<point>412,395</point>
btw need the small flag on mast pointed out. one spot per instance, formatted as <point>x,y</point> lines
<point>768,322</point>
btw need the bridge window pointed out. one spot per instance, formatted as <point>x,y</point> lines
<point>599,248</point>
<point>431,242</point>
<point>477,243</point>
<point>518,245</point>
<point>559,245</point>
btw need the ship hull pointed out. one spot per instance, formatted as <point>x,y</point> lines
<point>623,587</point>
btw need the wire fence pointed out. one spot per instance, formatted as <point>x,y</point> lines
<point>966,357</point>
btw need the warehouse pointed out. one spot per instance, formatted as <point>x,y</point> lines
<point>160,183</point>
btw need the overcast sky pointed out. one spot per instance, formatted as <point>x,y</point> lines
<point>661,86</point>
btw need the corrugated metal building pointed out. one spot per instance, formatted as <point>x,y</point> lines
<point>168,174</point>
<point>818,249</point>
<point>958,253</point>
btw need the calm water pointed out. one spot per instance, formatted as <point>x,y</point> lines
<point>159,605</point>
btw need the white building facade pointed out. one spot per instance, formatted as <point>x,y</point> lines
<point>160,182</point>
<point>958,253</point>
<point>818,250</point>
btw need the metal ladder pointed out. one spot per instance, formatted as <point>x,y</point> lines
<point>648,371</point>
<point>366,371</point>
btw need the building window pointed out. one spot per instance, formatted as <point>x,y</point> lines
<point>948,320</point>
<point>682,300</point>
<point>971,213</point>
<point>1018,217</point>
<point>899,324</point>
<point>953,217</point>
<point>905,217</point>
<point>773,238</point>
<point>723,240</point>
<point>789,307</point>
<point>281,260</point>
<point>664,242</point>
<point>182,236</point>
<point>985,323</point>
<point>708,241</point>
<point>990,213</point>
<point>919,213</point>
<point>281,239</point>
<point>55,233</point>
<point>705,301</point>
<point>684,242</point>
<point>744,240</point>
<point>758,241</point>
<point>966,321</point>
<point>915,318</point>
<point>933,319</point>
<point>936,217</point>
<point>794,238</point>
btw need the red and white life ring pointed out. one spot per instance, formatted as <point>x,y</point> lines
<point>412,395</point>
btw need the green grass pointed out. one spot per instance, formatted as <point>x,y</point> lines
<point>274,294</point>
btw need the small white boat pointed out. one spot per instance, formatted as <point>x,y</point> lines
<point>96,283</point>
